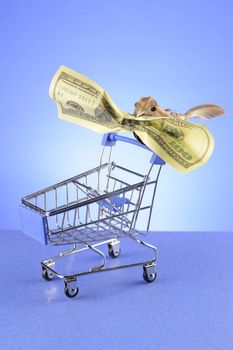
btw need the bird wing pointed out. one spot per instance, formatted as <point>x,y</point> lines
<point>205,111</point>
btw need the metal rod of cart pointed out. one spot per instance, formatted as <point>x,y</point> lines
<point>95,208</point>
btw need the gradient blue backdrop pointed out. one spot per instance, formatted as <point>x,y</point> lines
<point>180,52</point>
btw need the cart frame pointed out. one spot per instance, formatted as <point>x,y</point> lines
<point>112,221</point>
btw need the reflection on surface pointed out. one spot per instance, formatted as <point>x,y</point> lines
<point>51,293</point>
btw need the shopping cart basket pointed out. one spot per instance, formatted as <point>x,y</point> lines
<point>97,207</point>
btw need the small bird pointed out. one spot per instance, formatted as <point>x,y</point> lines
<point>149,107</point>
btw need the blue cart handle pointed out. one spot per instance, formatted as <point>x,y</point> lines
<point>111,138</point>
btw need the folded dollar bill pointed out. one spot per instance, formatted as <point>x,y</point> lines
<point>182,144</point>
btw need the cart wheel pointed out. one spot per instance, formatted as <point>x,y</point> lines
<point>47,275</point>
<point>114,249</point>
<point>114,253</point>
<point>71,292</point>
<point>151,278</point>
<point>149,274</point>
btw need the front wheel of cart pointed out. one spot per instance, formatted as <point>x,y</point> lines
<point>71,289</point>
<point>47,275</point>
<point>71,292</point>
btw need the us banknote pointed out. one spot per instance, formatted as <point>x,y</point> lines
<point>182,144</point>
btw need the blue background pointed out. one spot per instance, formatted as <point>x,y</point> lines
<point>180,52</point>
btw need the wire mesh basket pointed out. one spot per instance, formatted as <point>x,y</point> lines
<point>99,206</point>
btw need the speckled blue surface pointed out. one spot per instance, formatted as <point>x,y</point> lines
<point>189,306</point>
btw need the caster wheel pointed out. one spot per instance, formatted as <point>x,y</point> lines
<point>71,292</point>
<point>149,275</point>
<point>151,278</point>
<point>47,275</point>
<point>114,253</point>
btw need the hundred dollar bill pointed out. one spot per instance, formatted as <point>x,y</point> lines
<point>82,101</point>
<point>182,144</point>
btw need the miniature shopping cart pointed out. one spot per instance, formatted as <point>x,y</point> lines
<point>95,208</point>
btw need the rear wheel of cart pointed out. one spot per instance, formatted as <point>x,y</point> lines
<point>114,249</point>
<point>151,278</point>
<point>114,254</point>
<point>47,275</point>
<point>149,274</point>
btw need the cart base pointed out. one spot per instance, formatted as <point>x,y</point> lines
<point>70,281</point>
